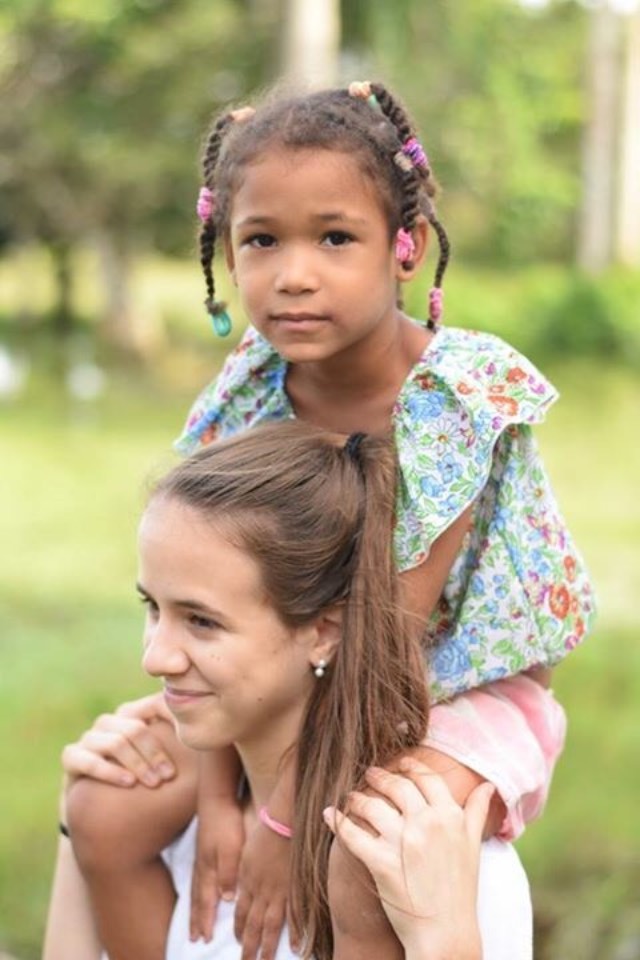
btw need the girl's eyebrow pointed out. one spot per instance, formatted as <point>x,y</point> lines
<point>337,216</point>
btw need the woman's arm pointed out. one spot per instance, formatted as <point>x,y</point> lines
<point>71,932</point>
<point>422,852</point>
<point>118,834</point>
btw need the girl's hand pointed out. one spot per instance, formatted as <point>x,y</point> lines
<point>422,850</point>
<point>215,872</point>
<point>261,907</point>
<point>120,748</point>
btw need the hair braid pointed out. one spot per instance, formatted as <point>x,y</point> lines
<point>417,180</point>
<point>208,231</point>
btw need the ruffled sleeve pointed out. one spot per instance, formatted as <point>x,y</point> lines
<point>467,389</point>
<point>248,390</point>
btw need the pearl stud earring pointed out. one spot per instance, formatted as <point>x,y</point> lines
<point>320,669</point>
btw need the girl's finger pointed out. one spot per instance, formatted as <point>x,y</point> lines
<point>135,746</point>
<point>78,762</point>
<point>152,707</point>
<point>116,747</point>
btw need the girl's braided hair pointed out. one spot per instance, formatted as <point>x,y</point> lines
<point>373,129</point>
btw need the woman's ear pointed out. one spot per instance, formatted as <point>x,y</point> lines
<point>328,634</point>
<point>420,236</point>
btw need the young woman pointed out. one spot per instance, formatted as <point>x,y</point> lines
<point>266,565</point>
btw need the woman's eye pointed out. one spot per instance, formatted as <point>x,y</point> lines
<point>202,623</point>
<point>337,238</point>
<point>151,605</point>
<point>261,240</point>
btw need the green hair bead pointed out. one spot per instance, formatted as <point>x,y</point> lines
<point>221,323</point>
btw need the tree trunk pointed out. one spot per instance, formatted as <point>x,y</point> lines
<point>595,241</point>
<point>312,41</point>
<point>627,244</point>
<point>130,330</point>
<point>62,318</point>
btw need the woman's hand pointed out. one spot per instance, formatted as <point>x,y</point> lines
<point>121,748</point>
<point>422,850</point>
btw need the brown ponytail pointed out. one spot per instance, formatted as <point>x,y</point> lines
<point>319,520</point>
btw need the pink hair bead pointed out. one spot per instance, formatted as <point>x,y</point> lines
<point>435,304</point>
<point>405,247</point>
<point>206,204</point>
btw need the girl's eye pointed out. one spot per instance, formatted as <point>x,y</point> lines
<point>337,238</point>
<point>261,240</point>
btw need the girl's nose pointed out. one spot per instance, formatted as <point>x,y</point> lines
<point>163,655</point>
<point>296,273</point>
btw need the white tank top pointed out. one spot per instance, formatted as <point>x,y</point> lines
<point>504,908</point>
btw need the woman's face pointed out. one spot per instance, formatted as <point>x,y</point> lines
<point>233,671</point>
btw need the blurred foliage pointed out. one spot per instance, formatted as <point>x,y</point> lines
<point>497,92</point>
<point>110,99</point>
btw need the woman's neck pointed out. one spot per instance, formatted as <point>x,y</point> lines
<point>263,767</point>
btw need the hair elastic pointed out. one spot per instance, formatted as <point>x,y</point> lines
<point>413,149</point>
<point>435,306</point>
<point>206,205</point>
<point>280,828</point>
<point>405,246</point>
<point>352,446</point>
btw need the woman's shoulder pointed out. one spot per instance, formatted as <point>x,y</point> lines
<point>249,388</point>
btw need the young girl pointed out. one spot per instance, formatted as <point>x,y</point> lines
<point>323,206</point>
<point>267,570</point>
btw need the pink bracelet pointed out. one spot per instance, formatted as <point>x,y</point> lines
<point>280,828</point>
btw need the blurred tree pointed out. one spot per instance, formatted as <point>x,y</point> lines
<point>627,245</point>
<point>496,88</point>
<point>109,99</point>
<point>312,41</point>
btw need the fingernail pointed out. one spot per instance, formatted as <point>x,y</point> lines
<point>127,779</point>
<point>166,771</point>
<point>228,895</point>
<point>150,779</point>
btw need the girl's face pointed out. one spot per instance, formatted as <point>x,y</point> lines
<point>311,254</point>
<point>233,671</point>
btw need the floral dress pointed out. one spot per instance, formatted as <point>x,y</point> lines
<point>518,594</point>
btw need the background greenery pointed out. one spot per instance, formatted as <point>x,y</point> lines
<point>103,345</point>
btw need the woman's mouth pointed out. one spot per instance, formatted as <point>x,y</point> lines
<point>182,697</point>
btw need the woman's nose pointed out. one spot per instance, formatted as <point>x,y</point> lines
<point>163,654</point>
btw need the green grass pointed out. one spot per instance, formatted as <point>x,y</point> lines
<point>71,486</point>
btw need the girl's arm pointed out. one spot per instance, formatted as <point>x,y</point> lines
<point>422,586</point>
<point>422,852</point>
<point>220,838</point>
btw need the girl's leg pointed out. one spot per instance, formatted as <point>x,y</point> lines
<point>71,932</point>
<point>118,835</point>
